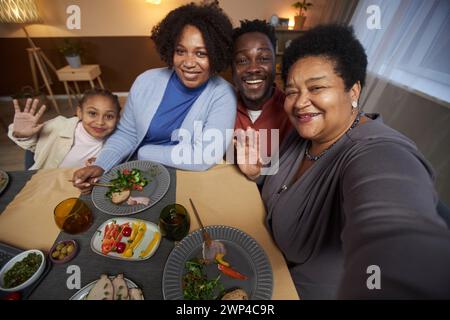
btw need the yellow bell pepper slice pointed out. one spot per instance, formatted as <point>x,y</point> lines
<point>128,253</point>
<point>133,232</point>
<point>139,236</point>
<point>219,259</point>
<point>135,239</point>
<point>151,245</point>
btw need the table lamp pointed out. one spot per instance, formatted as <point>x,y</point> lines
<point>23,12</point>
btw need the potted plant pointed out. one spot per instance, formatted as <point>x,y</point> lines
<point>300,19</point>
<point>71,50</point>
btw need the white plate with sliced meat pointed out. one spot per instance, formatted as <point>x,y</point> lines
<point>126,239</point>
<point>110,288</point>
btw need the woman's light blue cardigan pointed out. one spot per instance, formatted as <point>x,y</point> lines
<point>215,108</point>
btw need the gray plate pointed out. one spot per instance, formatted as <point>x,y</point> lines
<point>243,253</point>
<point>155,190</point>
<point>83,292</point>
<point>4,180</point>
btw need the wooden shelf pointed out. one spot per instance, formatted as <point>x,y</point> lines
<point>86,72</point>
<point>288,31</point>
<point>284,36</point>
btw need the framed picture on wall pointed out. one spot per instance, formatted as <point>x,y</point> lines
<point>283,23</point>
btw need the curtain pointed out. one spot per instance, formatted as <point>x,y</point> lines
<point>412,46</point>
<point>338,11</point>
<point>409,73</point>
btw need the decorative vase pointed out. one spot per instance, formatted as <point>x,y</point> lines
<point>299,22</point>
<point>74,61</point>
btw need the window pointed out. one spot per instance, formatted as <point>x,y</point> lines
<point>412,47</point>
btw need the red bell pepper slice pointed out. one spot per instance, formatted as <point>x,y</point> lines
<point>231,273</point>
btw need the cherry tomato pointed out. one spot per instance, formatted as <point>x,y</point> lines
<point>231,273</point>
<point>125,171</point>
<point>13,296</point>
<point>120,248</point>
<point>127,231</point>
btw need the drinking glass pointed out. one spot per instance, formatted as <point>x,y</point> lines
<point>73,216</point>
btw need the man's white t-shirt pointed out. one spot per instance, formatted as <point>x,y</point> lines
<point>254,114</point>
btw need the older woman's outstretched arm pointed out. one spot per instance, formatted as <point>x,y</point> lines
<point>395,244</point>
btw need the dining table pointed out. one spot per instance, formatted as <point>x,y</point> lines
<point>222,195</point>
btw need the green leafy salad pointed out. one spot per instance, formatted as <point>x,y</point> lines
<point>22,270</point>
<point>196,285</point>
<point>127,180</point>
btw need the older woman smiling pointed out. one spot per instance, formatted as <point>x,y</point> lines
<point>352,207</point>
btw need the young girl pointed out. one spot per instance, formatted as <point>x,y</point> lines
<point>66,142</point>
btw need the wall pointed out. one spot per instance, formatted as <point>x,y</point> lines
<point>121,59</point>
<point>111,31</point>
<point>136,17</point>
<point>424,121</point>
<point>98,18</point>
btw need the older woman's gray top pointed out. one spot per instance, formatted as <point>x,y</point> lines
<point>367,205</point>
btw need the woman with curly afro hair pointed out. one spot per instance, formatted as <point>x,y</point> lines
<point>213,24</point>
<point>165,105</point>
<point>352,206</point>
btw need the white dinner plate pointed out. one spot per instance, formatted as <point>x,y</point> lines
<point>83,292</point>
<point>97,240</point>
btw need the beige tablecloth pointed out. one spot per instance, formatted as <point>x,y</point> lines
<point>28,222</point>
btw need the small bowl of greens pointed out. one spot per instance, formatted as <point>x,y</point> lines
<point>22,270</point>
